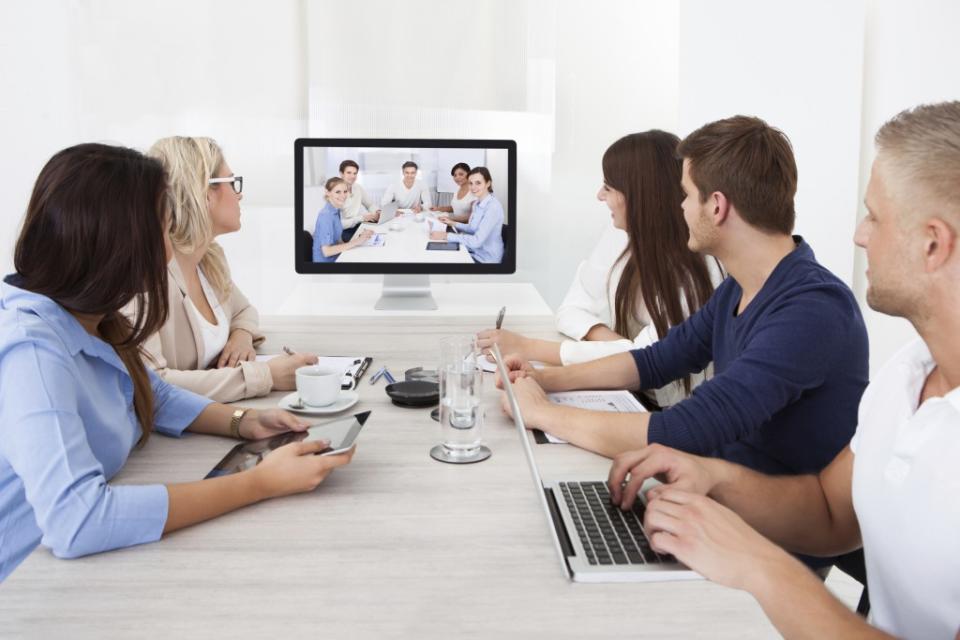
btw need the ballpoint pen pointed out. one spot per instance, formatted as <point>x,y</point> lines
<point>503,310</point>
<point>287,351</point>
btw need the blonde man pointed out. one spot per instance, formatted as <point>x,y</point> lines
<point>207,343</point>
<point>893,490</point>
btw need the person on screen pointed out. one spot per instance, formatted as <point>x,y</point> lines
<point>207,343</point>
<point>482,234</point>
<point>462,200</point>
<point>328,241</point>
<point>358,207</point>
<point>633,288</point>
<point>409,193</point>
<point>75,395</point>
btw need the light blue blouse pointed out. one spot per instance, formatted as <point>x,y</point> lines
<point>327,232</point>
<point>67,425</point>
<point>482,233</point>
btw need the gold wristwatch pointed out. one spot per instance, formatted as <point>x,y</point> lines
<point>235,422</point>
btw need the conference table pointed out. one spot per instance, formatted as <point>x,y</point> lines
<point>395,545</point>
<point>405,240</point>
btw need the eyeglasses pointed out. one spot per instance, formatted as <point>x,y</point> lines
<point>235,181</point>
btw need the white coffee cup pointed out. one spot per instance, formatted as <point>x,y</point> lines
<point>318,386</point>
<point>418,217</point>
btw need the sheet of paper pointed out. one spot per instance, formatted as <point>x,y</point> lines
<point>617,401</point>
<point>376,240</point>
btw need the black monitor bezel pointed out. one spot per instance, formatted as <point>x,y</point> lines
<point>509,263</point>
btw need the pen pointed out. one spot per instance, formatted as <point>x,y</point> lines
<point>503,310</point>
<point>287,350</point>
<point>363,369</point>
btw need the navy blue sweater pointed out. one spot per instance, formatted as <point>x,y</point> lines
<point>788,372</point>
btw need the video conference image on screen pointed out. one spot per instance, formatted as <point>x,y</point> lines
<point>388,205</point>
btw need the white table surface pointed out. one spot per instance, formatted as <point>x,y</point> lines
<point>396,545</point>
<point>407,244</point>
<point>453,299</point>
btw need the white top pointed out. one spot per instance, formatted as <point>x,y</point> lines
<point>405,198</point>
<point>590,301</point>
<point>906,493</point>
<point>214,336</point>
<point>462,207</point>
<point>356,204</point>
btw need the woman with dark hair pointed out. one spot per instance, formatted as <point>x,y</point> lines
<point>462,200</point>
<point>75,396</point>
<point>482,233</point>
<point>653,283</point>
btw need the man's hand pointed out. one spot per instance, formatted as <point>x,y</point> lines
<point>517,367</point>
<point>674,468</point>
<point>532,400</point>
<point>711,539</point>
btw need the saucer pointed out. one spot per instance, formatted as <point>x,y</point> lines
<point>346,400</point>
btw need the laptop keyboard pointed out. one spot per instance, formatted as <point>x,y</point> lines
<point>608,535</point>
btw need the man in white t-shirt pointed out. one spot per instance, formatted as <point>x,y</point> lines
<point>896,488</point>
<point>409,193</point>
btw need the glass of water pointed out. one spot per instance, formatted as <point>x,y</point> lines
<point>461,402</point>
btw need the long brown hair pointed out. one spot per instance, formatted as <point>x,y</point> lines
<point>92,241</point>
<point>658,265</point>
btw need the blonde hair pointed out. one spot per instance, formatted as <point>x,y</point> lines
<point>190,163</point>
<point>923,146</point>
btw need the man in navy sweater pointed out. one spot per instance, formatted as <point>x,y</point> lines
<point>785,335</point>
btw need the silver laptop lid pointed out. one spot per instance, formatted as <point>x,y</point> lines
<point>528,452</point>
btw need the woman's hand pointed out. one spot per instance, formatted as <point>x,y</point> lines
<point>269,422</point>
<point>293,468</point>
<point>445,219</point>
<point>283,369</point>
<point>239,347</point>
<point>438,235</point>
<point>517,368</point>
<point>509,342</point>
<point>359,238</point>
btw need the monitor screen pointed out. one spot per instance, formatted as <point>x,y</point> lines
<point>405,206</point>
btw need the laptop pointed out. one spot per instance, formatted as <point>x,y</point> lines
<point>596,541</point>
<point>387,213</point>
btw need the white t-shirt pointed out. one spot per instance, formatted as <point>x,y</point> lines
<point>906,493</point>
<point>462,206</point>
<point>405,198</point>
<point>214,336</point>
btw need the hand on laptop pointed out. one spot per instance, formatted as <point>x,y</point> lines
<point>371,216</point>
<point>714,541</point>
<point>674,468</point>
<point>532,399</point>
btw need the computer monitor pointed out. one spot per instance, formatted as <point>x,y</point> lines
<point>391,207</point>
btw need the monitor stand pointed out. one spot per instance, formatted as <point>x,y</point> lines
<point>406,292</point>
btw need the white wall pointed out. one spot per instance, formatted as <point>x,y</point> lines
<point>798,66</point>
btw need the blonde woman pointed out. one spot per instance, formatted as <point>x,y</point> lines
<point>207,343</point>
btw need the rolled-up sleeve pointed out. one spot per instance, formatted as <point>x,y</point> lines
<point>175,409</point>
<point>42,437</point>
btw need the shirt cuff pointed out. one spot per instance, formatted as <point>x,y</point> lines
<point>178,412</point>
<point>257,378</point>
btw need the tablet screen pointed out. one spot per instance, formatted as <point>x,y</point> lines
<point>341,433</point>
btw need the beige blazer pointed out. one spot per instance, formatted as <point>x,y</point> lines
<point>175,351</point>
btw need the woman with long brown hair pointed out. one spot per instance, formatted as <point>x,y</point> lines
<point>75,395</point>
<point>654,282</point>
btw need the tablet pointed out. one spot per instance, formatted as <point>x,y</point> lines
<point>443,246</point>
<point>341,433</point>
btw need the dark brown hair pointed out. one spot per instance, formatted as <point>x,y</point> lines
<point>749,162</point>
<point>658,265</point>
<point>460,165</point>
<point>409,163</point>
<point>92,241</point>
<point>348,163</point>
<point>482,171</point>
